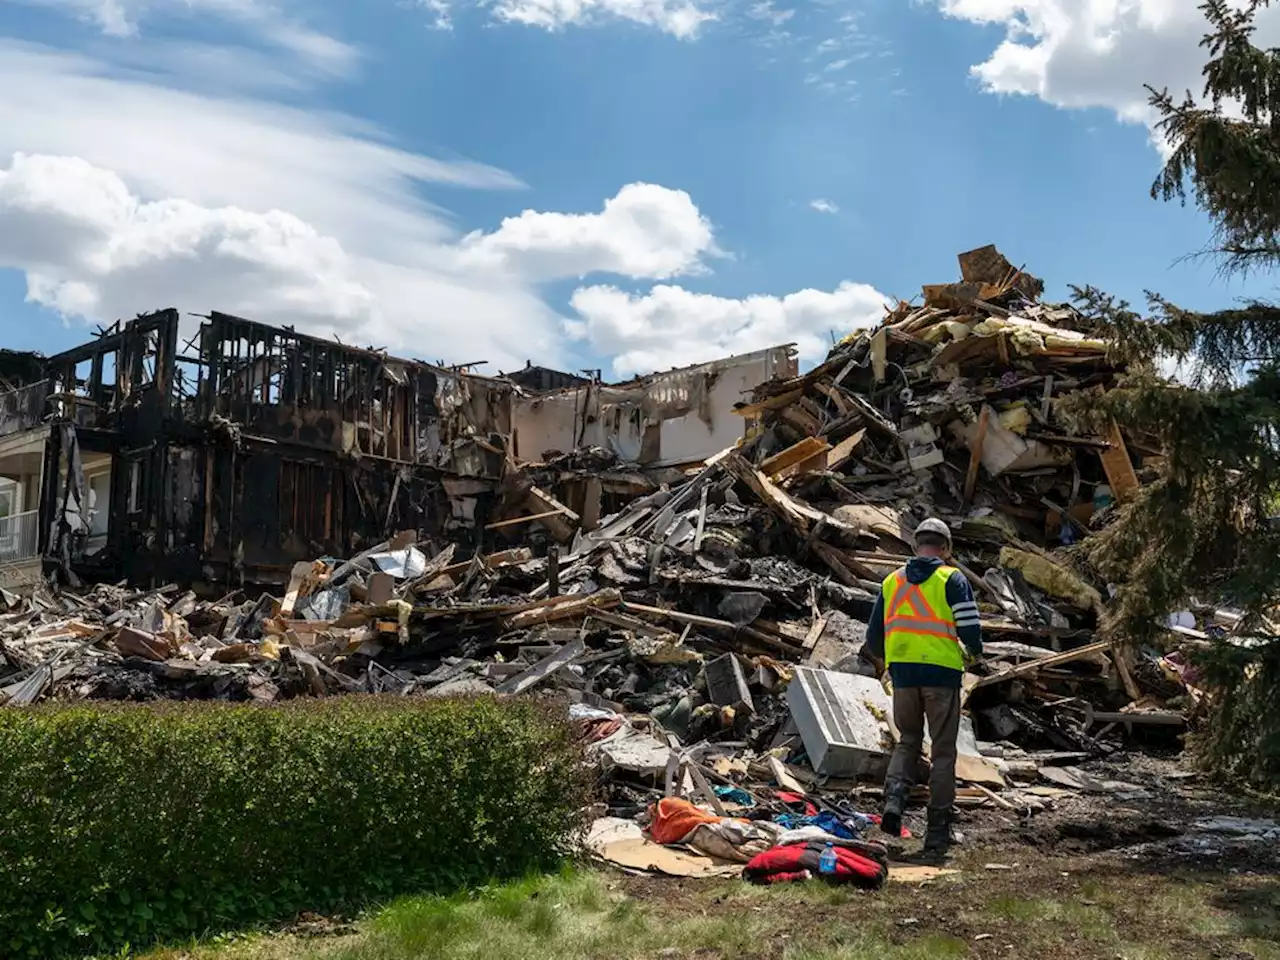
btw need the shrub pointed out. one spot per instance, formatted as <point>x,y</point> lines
<point>128,824</point>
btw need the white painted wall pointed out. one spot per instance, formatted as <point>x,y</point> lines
<point>692,427</point>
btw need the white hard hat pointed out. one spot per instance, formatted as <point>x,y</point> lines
<point>936,526</point>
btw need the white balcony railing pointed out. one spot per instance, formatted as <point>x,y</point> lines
<point>19,537</point>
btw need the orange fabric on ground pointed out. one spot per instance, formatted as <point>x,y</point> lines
<point>674,819</point>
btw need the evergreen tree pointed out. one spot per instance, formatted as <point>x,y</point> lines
<point>1205,527</point>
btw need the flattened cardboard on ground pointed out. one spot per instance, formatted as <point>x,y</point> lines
<point>623,844</point>
<point>919,874</point>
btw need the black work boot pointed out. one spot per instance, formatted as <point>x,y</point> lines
<point>895,804</point>
<point>938,837</point>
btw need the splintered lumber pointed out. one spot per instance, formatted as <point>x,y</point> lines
<point>879,343</point>
<point>563,608</point>
<point>435,566</point>
<point>843,450</point>
<point>994,797</point>
<point>500,559</point>
<point>591,499</point>
<point>556,517</point>
<point>301,570</point>
<point>1118,467</point>
<point>795,512</point>
<point>710,623</point>
<point>1031,668</point>
<point>849,571</point>
<point>975,453</point>
<point>783,777</point>
<point>751,411</point>
<point>514,521</point>
<point>1121,658</point>
<point>801,457</point>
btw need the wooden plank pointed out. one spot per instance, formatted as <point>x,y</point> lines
<point>700,782</point>
<point>758,636</point>
<point>975,454</point>
<point>807,448</point>
<point>500,559</point>
<point>753,410</point>
<point>843,450</point>
<point>561,521</point>
<point>1121,658</point>
<point>1032,667</point>
<point>815,633</point>
<point>834,394</point>
<point>1118,467</point>
<point>849,571</point>
<point>994,797</point>
<point>783,777</point>
<point>879,361</point>
<point>518,520</point>
<point>563,608</point>
<point>800,419</point>
<point>814,464</point>
<point>795,512</point>
<point>297,577</point>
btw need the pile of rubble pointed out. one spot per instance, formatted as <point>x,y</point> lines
<point>708,631</point>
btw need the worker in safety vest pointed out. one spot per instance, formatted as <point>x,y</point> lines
<point>923,625</point>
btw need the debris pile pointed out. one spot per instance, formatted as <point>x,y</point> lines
<point>707,626</point>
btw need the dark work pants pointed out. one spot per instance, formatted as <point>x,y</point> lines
<point>941,707</point>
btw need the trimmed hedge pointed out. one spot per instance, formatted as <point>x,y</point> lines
<point>125,824</point>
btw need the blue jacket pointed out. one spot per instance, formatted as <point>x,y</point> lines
<point>960,597</point>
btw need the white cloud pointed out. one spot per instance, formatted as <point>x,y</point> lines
<point>88,246</point>
<point>766,11</point>
<point>670,326</point>
<point>331,171</point>
<point>645,231</point>
<point>125,188</point>
<point>146,196</point>
<point>126,196</point>
<point>824,206</point>
<point>263,20</point>
<point>442,15</point>
<point>680,18</point>
<point>1074,54</point>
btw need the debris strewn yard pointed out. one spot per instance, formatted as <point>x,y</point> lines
<point>701,622</point>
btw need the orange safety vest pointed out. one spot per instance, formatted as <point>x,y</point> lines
<point>919,624</point>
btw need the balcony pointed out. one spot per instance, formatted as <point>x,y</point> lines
<point>23,408</point>
<point>19,537</point>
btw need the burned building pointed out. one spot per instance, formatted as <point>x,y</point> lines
<point>225,458</point>
<point>534,379</point>
<point>223,454</point>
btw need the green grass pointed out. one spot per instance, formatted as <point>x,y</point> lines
<point>577,916</point>
<point>590,916</point>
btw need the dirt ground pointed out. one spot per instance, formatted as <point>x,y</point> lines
<point>1100,875</point>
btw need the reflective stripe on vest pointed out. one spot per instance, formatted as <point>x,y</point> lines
<point>919,625</point>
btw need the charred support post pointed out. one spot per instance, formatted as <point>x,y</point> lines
<point>553,570</point>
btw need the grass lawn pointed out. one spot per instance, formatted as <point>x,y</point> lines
<point>1048,910</point>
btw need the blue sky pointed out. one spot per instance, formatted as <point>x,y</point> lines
<point>626,184</point>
